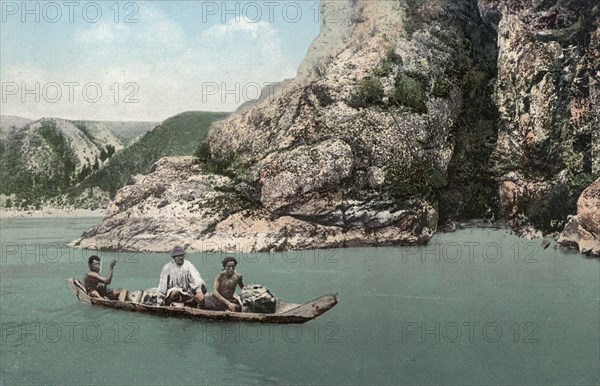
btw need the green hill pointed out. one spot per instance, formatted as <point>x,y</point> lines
<point>41,160</point>
<point>51,167</point>
<point>178,135</point>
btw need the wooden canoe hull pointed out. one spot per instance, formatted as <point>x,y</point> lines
<point>292,313</point>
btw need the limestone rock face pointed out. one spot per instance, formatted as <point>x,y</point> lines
<point>387,120</point>
<point>569,236</point>
<point>244,232</point>
<point>588,214</point>
<point>351,152</point>
<point>368,122</point>
<point>176,204</point>
<point>293,177</point>
<point>515,189</point>
<point>173,205</point>
<point>548,90</point>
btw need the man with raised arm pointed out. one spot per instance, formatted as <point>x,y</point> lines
<point>95,285</point>
<point>180,281</point>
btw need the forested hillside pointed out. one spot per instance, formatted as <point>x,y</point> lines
<point>178,135</point>
<point>41,160</point>
<point>63,164</point>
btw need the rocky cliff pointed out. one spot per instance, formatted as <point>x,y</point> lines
<point>404,114</point>
<point>548,98</point>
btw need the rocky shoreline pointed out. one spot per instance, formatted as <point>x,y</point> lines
<point>151,216</point>
<point>207,212</point>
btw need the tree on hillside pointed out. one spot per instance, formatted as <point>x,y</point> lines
<point>110,150</point>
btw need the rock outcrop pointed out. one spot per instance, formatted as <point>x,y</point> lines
<point>403,112</point>
<point>179,204</point>
<point>569,236</point>
<point>548,97</point>
<point>173,205</point>
<point>588,215</point>
<point>583,231</point>
<point>354,151</point>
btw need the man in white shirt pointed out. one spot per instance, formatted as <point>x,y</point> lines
<point>181,282</point>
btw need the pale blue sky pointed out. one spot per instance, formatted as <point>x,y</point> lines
<point>86,58</point>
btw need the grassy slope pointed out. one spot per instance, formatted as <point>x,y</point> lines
<point>178,135</point>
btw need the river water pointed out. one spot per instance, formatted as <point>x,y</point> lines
<point>477,306</point>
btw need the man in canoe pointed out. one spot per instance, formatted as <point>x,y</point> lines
<point>181,282</point>
<point>226,281</point>
<point>95,285</point>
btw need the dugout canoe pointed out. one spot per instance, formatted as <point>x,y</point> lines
<point>285,313</point>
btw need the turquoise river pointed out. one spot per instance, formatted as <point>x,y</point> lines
<point>478,306</point>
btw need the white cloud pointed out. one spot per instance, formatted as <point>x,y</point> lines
<point>233,26</point>
<point>159,28</point>
<point>154,32</point>
<point>101,33</point>
<point>167,70</point>
<point>253,50</point>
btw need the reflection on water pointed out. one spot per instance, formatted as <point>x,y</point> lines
<point>472,307</point>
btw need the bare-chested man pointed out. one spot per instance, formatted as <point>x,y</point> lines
<point>95,285</point>
<point>226,281</point>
